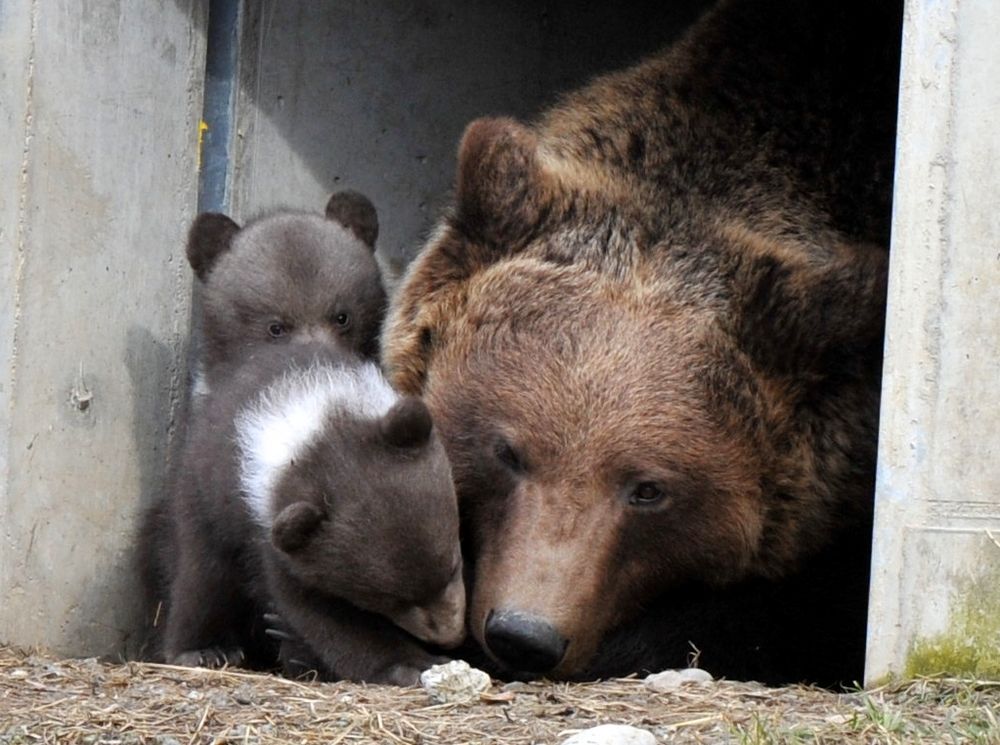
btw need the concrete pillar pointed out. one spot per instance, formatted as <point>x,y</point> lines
<point>100,110</point>
<point>935,594</point>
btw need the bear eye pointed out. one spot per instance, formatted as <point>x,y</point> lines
<point>645,494</point>
<point>507,455</point>
<point>342,321</point>
<point>277,328</point>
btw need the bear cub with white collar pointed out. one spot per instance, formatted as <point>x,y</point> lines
<point>306,487</point>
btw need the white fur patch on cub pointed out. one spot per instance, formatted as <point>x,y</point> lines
<point>287,415</point>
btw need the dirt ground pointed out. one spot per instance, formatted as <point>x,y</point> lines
<point>46,700</point>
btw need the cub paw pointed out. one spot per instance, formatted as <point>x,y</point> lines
<point>401,674</point>
<point>211,657</point>
<point>295,658</point>
<point>407,674</point>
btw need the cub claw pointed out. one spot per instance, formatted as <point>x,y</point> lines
<point>210,657</point>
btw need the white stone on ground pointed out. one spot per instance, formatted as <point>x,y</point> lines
<point>454,682</point>
<point>671,680</point>
<point>612,734</point>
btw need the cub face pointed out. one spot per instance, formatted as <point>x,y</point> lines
<point>289,278</point>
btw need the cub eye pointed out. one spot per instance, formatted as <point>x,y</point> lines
<point>342,321</point>
<point>645,494</point>
<point>277,328</point>
<point>507,455</point>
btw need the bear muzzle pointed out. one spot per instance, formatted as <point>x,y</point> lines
<point>524,642</point>
<point>318,334</point>
<point>441,621</point>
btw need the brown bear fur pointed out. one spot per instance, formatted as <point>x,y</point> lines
<point>650,333</point>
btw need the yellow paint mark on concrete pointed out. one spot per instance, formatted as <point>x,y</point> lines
<point>202,129</point>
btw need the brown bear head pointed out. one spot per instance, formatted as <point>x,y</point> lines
<point>621,400</point>
<point>288,277</point>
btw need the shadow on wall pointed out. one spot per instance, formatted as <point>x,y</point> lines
<point>157,400</point>
<point>374,96</point>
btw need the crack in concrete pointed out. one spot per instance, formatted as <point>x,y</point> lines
<point>18,276</point>
<point>22,205</point>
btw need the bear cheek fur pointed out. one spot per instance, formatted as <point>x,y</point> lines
<point>560,540</point>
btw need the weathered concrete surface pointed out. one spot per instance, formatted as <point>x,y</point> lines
<point>936,566</point>
<point>15,80</point>
<point>101,103</point>
<point>374,96</point>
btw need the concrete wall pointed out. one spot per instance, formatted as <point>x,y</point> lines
<point>374,96</point>
<point>100,109</point>
<point>936,567</point>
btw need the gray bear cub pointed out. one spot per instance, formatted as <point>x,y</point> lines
<point>306,486</point>
<point>285,278</point>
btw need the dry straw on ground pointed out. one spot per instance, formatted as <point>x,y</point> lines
<point>46,700</point>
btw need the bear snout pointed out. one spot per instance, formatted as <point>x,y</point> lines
<point>524,642</point>
<point>441,621</point>
<point>317,334</point>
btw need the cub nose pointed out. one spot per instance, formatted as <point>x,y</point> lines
<point>523,642</point>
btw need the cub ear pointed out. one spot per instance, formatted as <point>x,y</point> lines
<point>355,212</point>
<point>502,193</point>
<point>295,525</point>
<point>210,236</point>
<point>407,424</point>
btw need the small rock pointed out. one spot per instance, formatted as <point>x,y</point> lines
<point>220,700</point>
<point>612,734</point>
<point>454,682</point>
<point>516,686</point>
<point>671,680</point>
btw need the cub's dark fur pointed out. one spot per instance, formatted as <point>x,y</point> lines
<point>338,516</point>
<point>287,277</point>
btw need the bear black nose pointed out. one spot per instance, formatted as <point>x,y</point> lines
<point>523,642</point>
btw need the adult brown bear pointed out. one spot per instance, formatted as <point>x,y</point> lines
<point>650,331</point>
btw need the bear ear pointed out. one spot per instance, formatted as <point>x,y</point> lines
<point>355,212</point>
<point>502,192</point>
<point>295,525</point>
<point>407,424</point>
<point>504,197</point>
<point>210,236</point>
